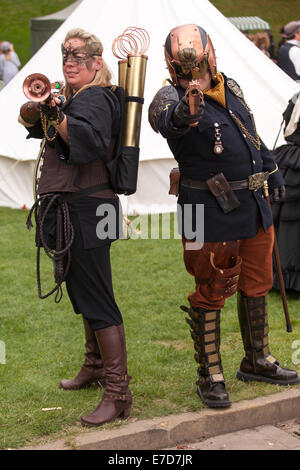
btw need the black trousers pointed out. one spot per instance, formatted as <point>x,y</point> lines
<point>89,280</point>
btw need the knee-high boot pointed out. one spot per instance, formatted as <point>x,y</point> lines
<point>117,399</point>
<point>92,370</point>
<point>205,331</point>
<point>258,363</point>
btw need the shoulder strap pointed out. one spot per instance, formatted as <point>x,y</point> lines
<point>120,95</point>
<point>236,90</point>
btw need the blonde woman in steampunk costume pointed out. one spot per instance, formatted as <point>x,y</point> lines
<point>74,183</point>
<point>223,165</point>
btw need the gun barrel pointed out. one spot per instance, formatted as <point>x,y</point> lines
<point>194,98</point>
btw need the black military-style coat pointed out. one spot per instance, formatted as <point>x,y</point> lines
<point>193,148</point>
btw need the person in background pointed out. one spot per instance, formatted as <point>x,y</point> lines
<point>289,52</point>
<point>262,41</point>
<point>283,39</point>
<point>9,62</point>
<point>223,166</point>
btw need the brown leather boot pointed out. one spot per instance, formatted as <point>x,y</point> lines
<point>259,364</point>
<point>205,331</point>
<point>92,370</point>
<point>117,399</point>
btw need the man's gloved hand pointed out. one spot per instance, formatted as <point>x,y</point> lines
<point>277,195</point>
<point>181,114</point>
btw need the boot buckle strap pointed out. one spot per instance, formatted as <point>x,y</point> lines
<point>217,378</point>
<point>120,378</point>
<point>271,359</point>
<point>99,383</point>
<point>214,370</point>
<point>213,358</point>
<point>116,396</point>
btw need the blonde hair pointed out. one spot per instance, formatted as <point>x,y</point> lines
<point>103,76</point>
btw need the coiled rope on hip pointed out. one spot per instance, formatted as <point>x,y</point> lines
<point>64,236</point>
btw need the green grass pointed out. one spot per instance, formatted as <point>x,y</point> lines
<point>44,341</point>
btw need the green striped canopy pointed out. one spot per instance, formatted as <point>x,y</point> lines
<point>246,23</point>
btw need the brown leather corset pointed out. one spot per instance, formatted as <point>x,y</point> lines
<point>57,176</point>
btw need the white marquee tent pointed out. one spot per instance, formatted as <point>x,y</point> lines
<point>267,89</point>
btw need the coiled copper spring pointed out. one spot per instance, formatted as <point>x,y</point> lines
<point>133,41</point>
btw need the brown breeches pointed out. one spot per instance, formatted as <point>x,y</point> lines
<point>222,268</point>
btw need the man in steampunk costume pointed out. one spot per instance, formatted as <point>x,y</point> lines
<point>223,165</point>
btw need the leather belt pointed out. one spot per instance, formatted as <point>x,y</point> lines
<point>253,183</point>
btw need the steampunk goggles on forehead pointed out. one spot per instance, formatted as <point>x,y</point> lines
<point>80,55</point>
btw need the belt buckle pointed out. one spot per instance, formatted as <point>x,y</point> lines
<point>256,181</point>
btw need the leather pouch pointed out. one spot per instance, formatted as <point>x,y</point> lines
<point>220,188</point>
<point>174,181</point>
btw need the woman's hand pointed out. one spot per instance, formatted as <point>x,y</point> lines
<point>55,116</point>
<point>54,101</point>
<point>52,109</point>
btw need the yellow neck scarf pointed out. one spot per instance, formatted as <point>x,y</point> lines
<point>218,91</point>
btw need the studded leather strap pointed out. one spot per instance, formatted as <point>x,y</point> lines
<point>205,332</point>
